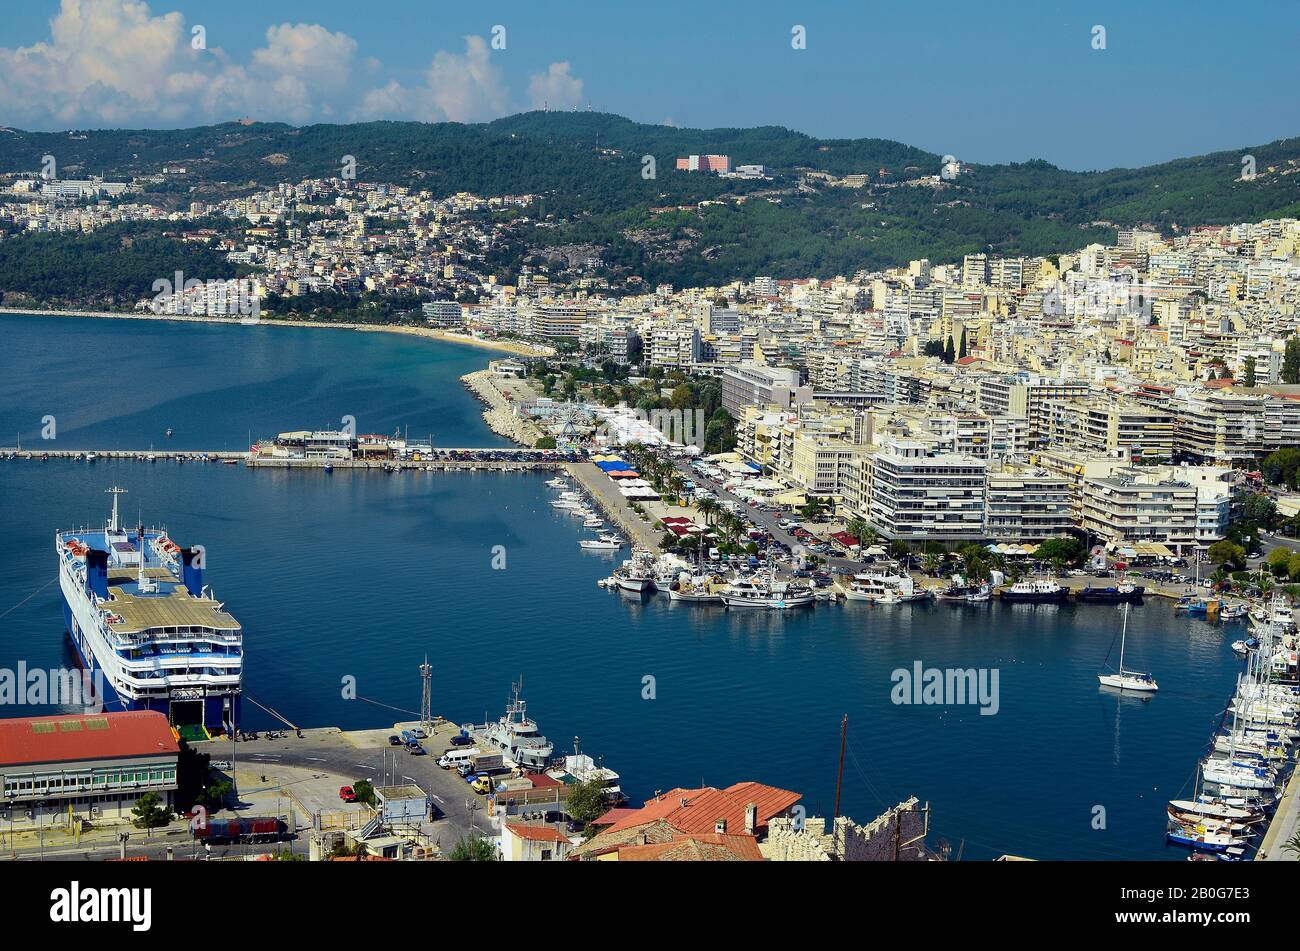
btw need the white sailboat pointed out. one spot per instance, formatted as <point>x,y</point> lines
<point>1130,680</point>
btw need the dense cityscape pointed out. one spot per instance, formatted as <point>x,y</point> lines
<point>819,499</point>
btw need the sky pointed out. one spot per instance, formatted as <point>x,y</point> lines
<point>1084,85</point>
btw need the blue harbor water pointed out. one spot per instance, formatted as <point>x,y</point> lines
<point>361,574</point>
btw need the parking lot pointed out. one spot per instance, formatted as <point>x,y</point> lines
<point>305,773</point>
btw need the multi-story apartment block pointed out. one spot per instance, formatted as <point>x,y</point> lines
<point>919,496</point>
<point>1133,505</point>
<point>755,384</point>
<point>1027,504</point>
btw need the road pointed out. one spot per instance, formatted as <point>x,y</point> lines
<point>309,771</point>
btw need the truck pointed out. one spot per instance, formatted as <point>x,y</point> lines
<point>242,829</point>
<point>486,763</point>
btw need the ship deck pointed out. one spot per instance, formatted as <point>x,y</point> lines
<point>168,608</point>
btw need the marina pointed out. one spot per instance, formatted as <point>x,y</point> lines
<point>585,652</point>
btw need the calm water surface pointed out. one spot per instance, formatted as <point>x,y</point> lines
<point>362,573</point>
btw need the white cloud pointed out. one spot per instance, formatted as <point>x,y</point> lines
<point>456,88</point>
<point>116,63</point>
<point>557,88</point>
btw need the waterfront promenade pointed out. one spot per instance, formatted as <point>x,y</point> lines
<point>602,491</point>
<point>1284,827</point>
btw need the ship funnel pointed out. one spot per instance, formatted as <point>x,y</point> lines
<point>97,572</point>
<point>192,571</point>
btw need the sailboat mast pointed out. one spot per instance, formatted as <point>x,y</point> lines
<point>1123,636</point>
<point>839,779</point>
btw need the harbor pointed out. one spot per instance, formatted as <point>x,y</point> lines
<point>283,550</point>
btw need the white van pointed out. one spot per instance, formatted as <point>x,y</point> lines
<point>458,757</point>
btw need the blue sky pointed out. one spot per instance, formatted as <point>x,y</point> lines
<point>984,81</point>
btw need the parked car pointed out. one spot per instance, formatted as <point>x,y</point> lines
<point>394,740</point>
<point>347,794</point>
<point>461,739</point>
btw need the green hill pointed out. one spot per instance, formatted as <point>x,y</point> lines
<point>588,168</point>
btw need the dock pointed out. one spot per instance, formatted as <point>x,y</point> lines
<point>1284,826</point>
<point>606,497</point>
<point>442,460</point>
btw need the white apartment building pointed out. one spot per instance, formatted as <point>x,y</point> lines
<point>918,496</point>
<point>1134,505</point>
<point>756,384</point>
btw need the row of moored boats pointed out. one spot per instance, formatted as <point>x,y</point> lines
<point>1247,761</point>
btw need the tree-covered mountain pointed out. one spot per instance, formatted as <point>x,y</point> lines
<point>588,169</point>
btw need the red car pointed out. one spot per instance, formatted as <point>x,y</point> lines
<point>347,794</point>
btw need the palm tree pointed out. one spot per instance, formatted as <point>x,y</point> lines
<point>869,537</point>
<point>708,508</point>
<point>857,528</point>
<point>931,563</point>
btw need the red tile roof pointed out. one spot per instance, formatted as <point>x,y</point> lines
<point>709,847</point>
<point>698,810</point>
<point>536,833</point>
<point>66,739</point>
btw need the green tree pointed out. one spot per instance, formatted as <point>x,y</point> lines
<point>1291,360</point>
<point>1250,371</point>
<point>949,351</point>
<point>585,801</point>
<point>1228,553</point>
<point>1066,550</point>
<point>546,442</point>
<point>149,812</point>
<point>365,792</point>
<point>961,351</point>
<point>474,849</point>
<point>1293,567</point>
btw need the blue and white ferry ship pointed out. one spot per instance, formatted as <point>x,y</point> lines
<point>146,627</point>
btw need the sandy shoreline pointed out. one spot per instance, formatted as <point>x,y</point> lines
<point>515,347</point>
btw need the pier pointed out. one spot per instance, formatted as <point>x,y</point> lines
<point>440,460</point>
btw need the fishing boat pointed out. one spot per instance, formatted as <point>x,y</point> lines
<point>697,589</point>
<point>1035,591</point>
<point>1195,837</point>
<point>1189,604</point>
<point>636,574</point>
<point>766,593</point>
<point>1233,612</point>
<point>1244,647</point>
<point>1130,680</point>
<point>980,594</point>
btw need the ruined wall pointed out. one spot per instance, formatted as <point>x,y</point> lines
<point>878,840</point>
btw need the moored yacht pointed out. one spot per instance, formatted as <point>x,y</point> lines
<point>1035,591</point>
<point>608,542</point>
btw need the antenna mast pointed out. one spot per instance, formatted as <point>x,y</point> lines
<point>426,695</point>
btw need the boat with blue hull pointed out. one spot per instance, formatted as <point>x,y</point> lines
<point>149,634</point>
<point>1123,593</point>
